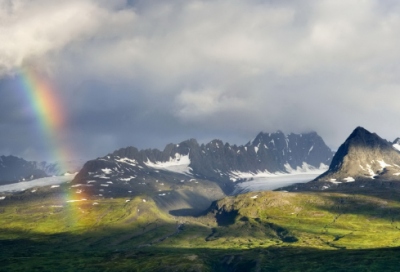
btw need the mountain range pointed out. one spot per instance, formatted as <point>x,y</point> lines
<point>188,176</point>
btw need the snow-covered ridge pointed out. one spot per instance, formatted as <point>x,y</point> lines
<point>178,164</point>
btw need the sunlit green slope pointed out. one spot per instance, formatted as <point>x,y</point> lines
<point>259,231</point>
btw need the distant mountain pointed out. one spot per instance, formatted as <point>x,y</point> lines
<point>60,168</point>
<point>185,167</point>
<point>364,157</point>
<point>396,144</point>
<point>13,169</point>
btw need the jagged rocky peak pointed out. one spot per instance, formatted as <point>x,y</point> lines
<point>294,150</point>
<point>364,155</point>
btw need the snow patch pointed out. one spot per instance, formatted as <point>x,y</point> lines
<point>102,176</point>
<point>383,164</point>
<point>254,196</point>
<point>349,179</point>
<point>128,161</point>
<point>178,164</point>
<point>397,146</point>
<point>334,181</point>
<point>78,200</point>
<point>127,179</point>
<point>310,150</point>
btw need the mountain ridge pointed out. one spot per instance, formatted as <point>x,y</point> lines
<point>216,160</point>
<point>190,168</point>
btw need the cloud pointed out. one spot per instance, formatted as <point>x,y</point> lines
<point>32,30</point>
<point>205,69</point>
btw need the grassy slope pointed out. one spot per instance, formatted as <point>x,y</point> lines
<point>274,232</point>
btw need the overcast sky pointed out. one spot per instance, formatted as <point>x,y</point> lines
<point>146,73</point>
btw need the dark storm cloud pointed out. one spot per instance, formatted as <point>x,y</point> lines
<point>146,73</point>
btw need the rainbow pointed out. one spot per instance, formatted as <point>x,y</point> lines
<point>50,118</point>
<point>48,111</point>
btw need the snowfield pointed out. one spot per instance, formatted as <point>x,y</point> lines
<point>306,169</point>
<point>272,183</point>
<point>21,186</point>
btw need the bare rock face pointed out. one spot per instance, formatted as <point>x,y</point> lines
<point>363,156</point>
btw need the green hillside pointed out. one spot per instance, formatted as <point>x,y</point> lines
<point>259,231</point>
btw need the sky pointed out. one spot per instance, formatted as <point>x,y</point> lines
<point>147,73</point>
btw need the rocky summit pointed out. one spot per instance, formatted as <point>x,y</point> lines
<point>362,161</point>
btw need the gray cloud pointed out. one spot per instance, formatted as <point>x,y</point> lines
<point>146,73</point>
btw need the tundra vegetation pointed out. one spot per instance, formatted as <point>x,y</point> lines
<point>257,231</point>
